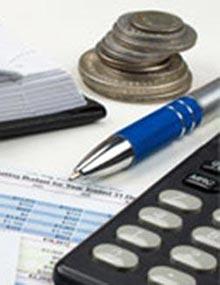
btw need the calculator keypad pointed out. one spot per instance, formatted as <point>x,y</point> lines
<point>164,275</point>
<point>160,218</point>
<point>115,256</point>
<point>139,237</point>
<point>207,236</point>
<point>170,236</point>
<point>193,257</point>
<point>180,200</point>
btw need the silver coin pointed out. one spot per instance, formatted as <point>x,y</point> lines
<point>157,22</point>
<point>124,24</point>
<point>113,44</point>
<point>91,65</point>
<point>158,46</point>
<point>121,54</point>
<point>140,94</point>
<point>136,88</point>
<point>176,42</point>
<point>126,59</point>
<point>121,64</point>
<point>118,51</point>
<point>172,69</point>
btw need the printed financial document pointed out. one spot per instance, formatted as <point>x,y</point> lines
<point>51,216</point>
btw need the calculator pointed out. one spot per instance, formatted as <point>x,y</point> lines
<point>168,236</point>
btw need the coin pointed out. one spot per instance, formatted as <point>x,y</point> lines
<point>136,96</point>
<point>126,63</point>
<point>136,67</point>
<point>119,51</point>
<point>141,41</point>
<point>124,24</point>
<point>157,22</point>
<point>119,56</point>
<point>116,50</point>
<point>165,84</point>
<point>138,60</point>
<point>93,67</point>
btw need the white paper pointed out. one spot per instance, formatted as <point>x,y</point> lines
<point>16,56</point>
<point>9,252</point>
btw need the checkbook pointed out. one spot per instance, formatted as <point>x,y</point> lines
<point>36,93</point>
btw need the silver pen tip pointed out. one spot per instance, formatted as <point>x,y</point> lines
<point>74,176</point>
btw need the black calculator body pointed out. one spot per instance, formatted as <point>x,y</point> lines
<point>169,236</point>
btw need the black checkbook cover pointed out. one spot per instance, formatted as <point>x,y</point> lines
<point>72,118</point>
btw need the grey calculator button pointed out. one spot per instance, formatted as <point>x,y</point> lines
<point>216,217</point>
<point>115,256</point>
<point>180,200</point>
<point>202,182</point>
<point>164,275</point>
<point>194,258</point>
<point>160,218</point>
<point>138,236</point>
<point>212,166</point>
<point>208,236</point>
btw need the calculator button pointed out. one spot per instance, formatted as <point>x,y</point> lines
<point>201,181</point>
<point>212,166</point>
<point>216,217</point>
<point>164,275</point>
<point>195,258</point>
<point>115,256</point>
<point>160,218</point>
<point>180,200</point>
<point>139,237</point>
<point>208,236</point>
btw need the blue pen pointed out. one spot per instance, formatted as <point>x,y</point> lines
<point>137,141</point>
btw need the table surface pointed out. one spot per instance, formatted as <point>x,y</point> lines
<point>64,29</point>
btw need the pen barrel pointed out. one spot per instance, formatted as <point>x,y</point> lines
<point>163,126</point>
<point>208,97</point>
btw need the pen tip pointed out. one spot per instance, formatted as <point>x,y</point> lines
<point>74,176</point>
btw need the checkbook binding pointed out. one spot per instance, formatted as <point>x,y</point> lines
<point>87,114</point>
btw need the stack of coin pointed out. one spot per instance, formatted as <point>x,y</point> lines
<point>138,60</point>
